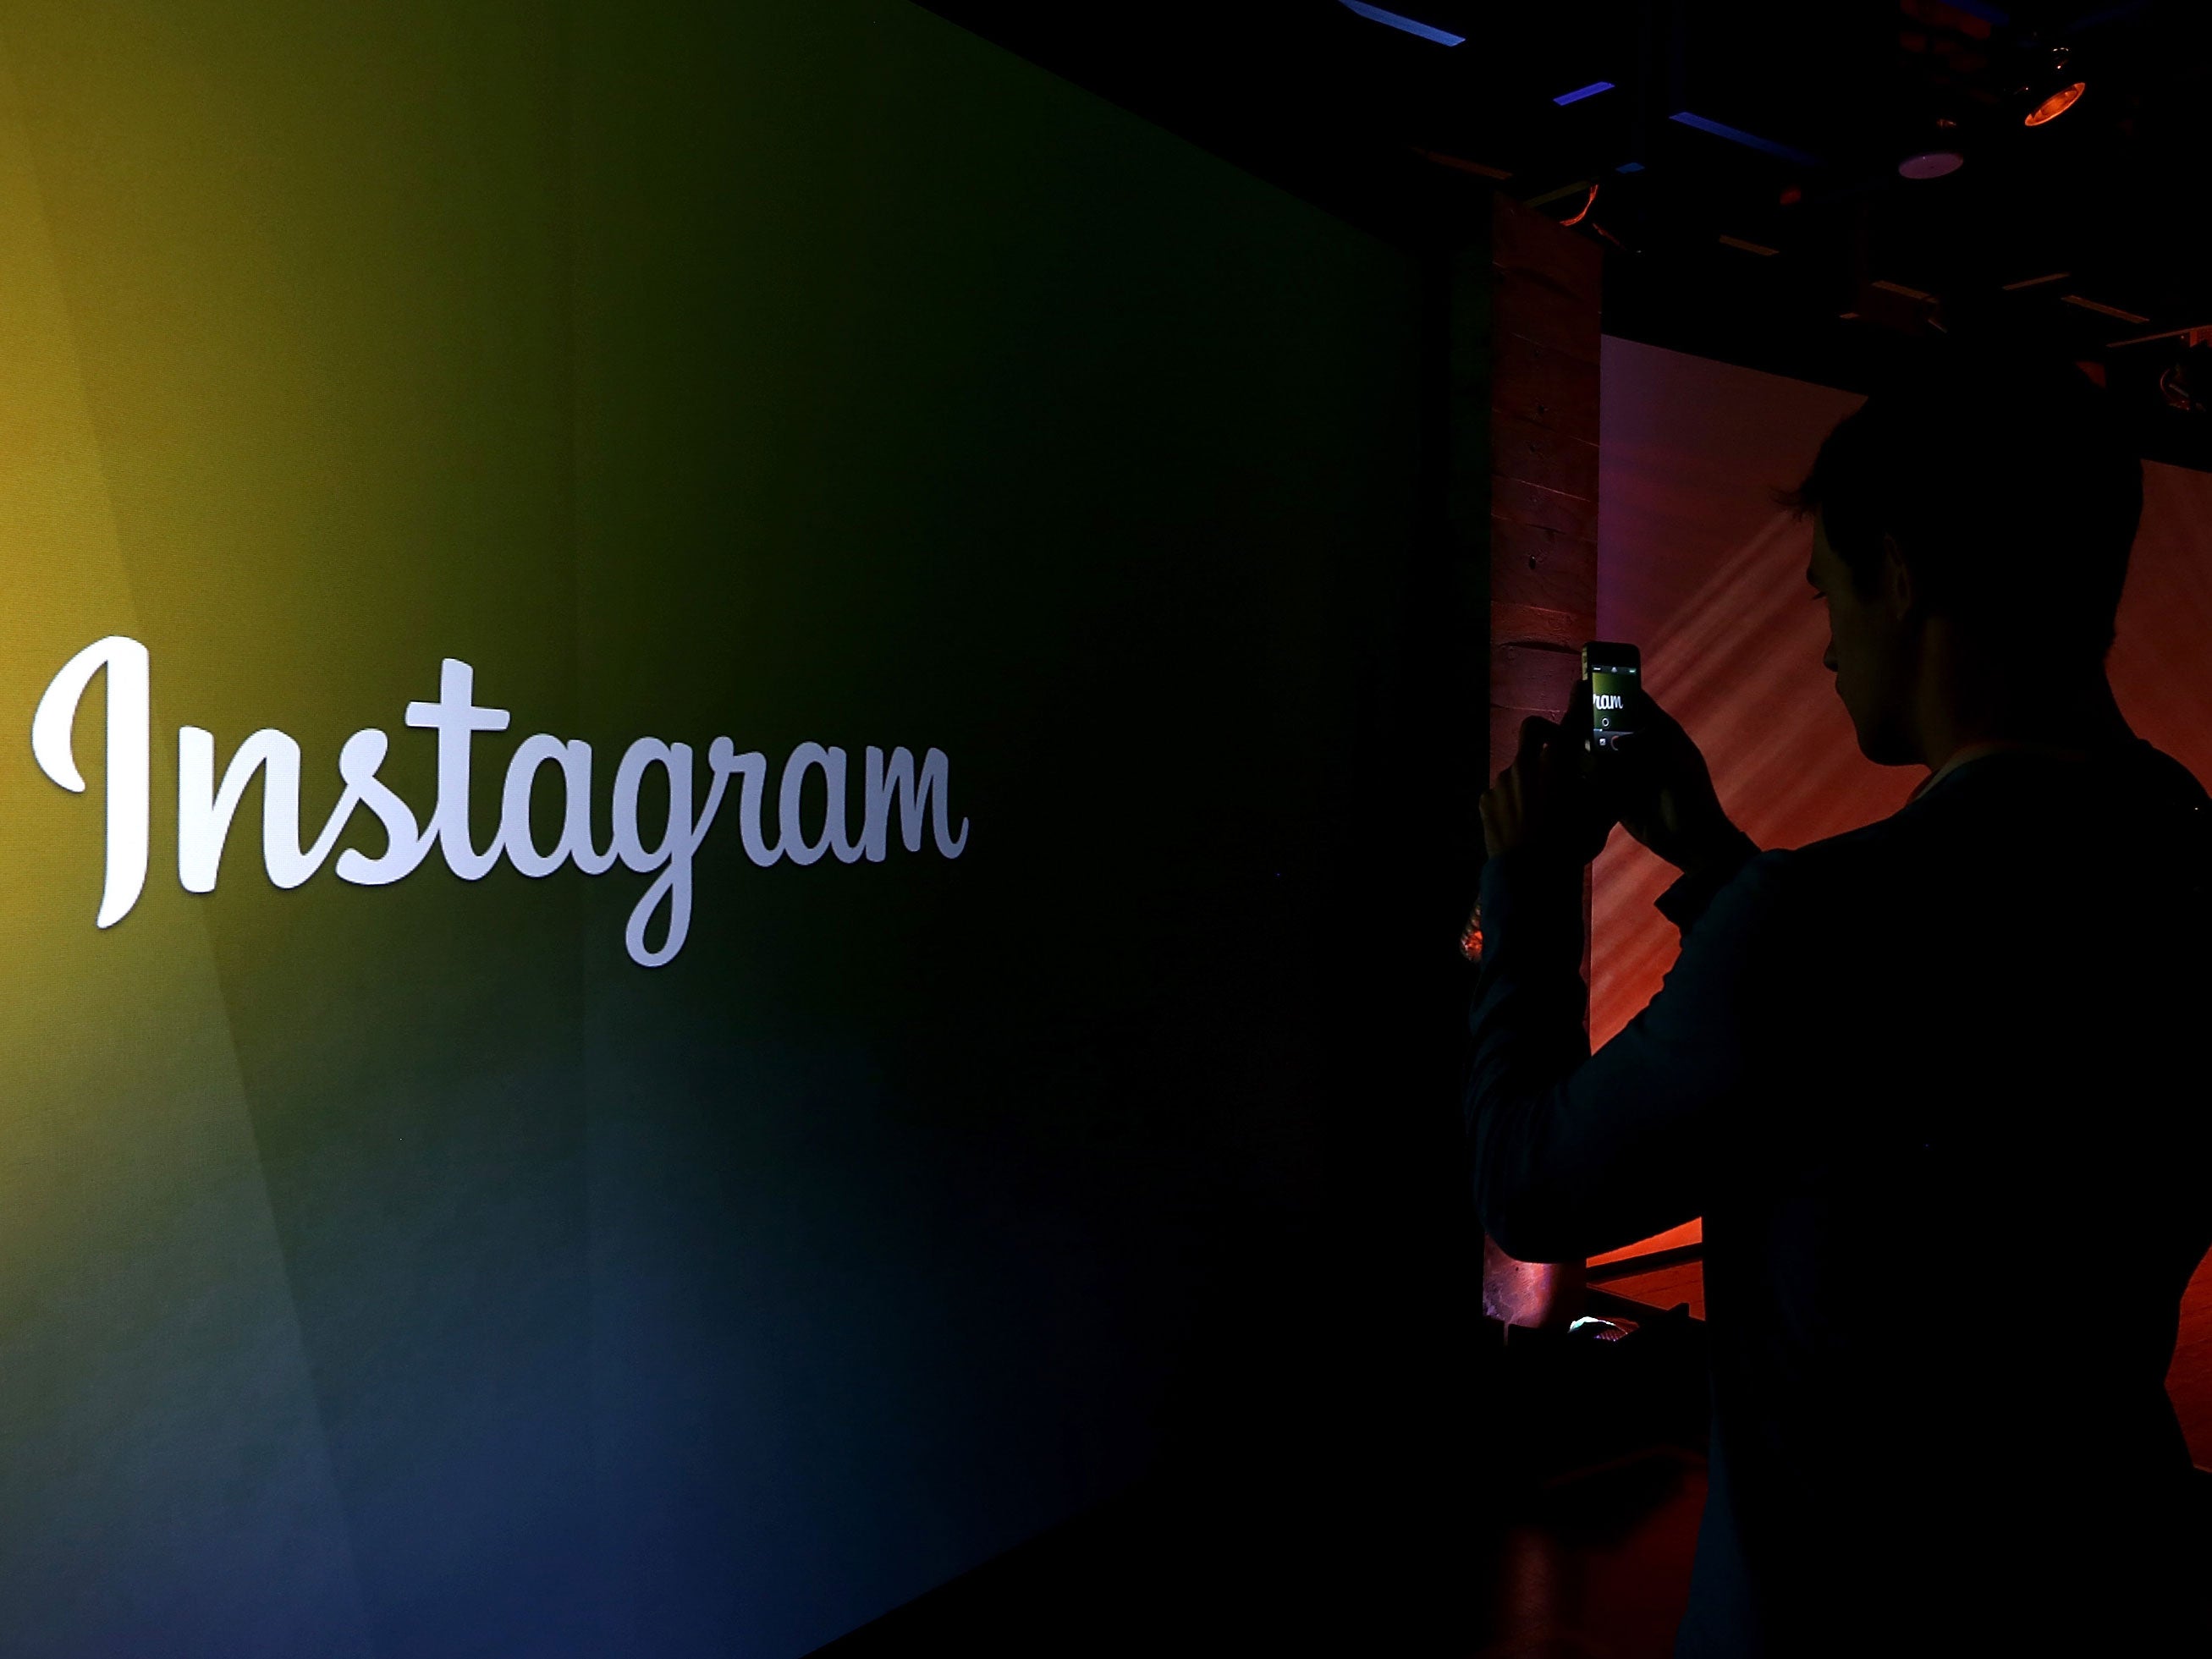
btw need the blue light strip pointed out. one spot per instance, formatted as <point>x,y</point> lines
<point>1750,140</point>
<point>1376,14</point>
<point>2099,18</point>
<point>1581,93</point>
<point>1983,9</point>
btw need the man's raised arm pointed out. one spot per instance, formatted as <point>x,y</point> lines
<point>1572,1153</point>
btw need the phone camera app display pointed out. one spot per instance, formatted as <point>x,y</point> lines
<point>1610,692</point>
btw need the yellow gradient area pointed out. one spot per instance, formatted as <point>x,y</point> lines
<point>140,1273</point>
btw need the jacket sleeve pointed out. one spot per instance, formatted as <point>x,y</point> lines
<point>1575,1153</point>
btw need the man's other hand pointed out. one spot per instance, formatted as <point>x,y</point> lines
<point>1663,795</point>
<point>1542,802</point>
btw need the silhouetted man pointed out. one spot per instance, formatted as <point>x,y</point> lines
<point>1937,1086</point>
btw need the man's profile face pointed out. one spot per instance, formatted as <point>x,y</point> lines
<point>1868,654</point>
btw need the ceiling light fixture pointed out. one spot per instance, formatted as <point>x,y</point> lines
<point>2057,104</point>
<point>1404,25</point>
<point>1931,164</point>
<point>1581,93</point>
<point>2052,89</point>
<point>2102,309</point>
<point>2200,334</point>
<point>1749,140</point>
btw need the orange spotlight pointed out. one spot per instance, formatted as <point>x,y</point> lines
<point>2057,104</point>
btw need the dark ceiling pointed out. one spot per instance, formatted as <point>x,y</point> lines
<point>1745,158</point>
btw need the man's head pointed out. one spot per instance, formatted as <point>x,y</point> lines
<point>1993,499</point>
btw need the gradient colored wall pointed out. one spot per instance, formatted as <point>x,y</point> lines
<point>1696,564</point>
<point>401,1270</point>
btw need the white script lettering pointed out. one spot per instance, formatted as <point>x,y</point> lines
<point>205,807</point>
<point>129,757</point>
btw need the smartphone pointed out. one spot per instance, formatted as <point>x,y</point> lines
<point>1614,674</point>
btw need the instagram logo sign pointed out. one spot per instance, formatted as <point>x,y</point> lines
<point>208,798</point>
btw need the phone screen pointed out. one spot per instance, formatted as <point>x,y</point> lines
<point>1613,688</point>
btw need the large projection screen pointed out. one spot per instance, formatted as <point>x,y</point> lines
<point>409,1244</point>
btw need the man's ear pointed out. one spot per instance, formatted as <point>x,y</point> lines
<point>1898,591</point>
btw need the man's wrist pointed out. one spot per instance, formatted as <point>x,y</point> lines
<point>1725,848</point>
<point>1684,901</point>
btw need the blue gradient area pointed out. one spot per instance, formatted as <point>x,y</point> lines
<point>1426,31</point>
<point>1581,93</point>
<point>1749,140</point>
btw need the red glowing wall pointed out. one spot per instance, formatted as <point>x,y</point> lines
<point>1698,566</point>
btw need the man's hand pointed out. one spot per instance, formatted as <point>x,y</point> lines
<point>1542,802</point>
<point>1664,793</point>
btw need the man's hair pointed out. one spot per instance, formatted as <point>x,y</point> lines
<point>2011,490</point>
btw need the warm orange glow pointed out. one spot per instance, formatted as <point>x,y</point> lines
<point>1462,163</point>
<point>1588,202</point>
<point>2057,104</point>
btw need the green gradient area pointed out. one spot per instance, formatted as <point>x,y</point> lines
<point>404,1271</point>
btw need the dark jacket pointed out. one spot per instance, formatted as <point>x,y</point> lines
<point>1938,1088</point>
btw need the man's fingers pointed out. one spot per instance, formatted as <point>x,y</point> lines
<point>1578,711</point>
<point>1535,731</point>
